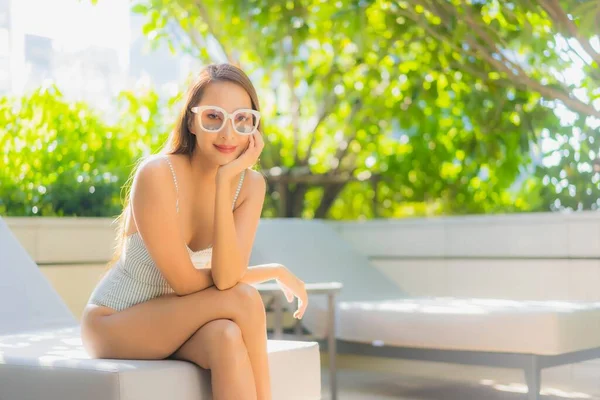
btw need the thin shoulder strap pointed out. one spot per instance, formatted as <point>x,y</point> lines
<point>239,187</point>
<point>174,180</point>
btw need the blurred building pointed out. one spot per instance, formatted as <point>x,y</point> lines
<point>166,71</point>
<point>4,46</point>
<point>91,52</point>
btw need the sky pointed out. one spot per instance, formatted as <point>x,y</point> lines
<point>77,23</point>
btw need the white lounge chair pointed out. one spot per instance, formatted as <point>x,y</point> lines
<point>375,317</point>
<point>41,355</point>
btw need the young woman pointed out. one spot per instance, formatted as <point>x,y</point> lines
<point>179,286</point>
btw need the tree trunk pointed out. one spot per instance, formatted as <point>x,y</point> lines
<point>294,203</point>
<point>330,193</point>
<point>298,200</point>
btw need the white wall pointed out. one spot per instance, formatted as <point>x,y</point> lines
<point>518,256</point>
<point>50,240</point>
<point>544,256</point>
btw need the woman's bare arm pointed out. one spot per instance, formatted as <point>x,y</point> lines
<point>290,284</point>
<point>262,273</point>
<point>234,232</point>
<point>153,200</point>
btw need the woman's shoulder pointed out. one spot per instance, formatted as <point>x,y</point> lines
<point>155,169</point>
<point>161,158</point>
<point>255,179</point>
<point>253,186</point>
<point>158,163</point>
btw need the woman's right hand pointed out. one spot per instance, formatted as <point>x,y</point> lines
<point>246,159</point>
<point>293,287</point>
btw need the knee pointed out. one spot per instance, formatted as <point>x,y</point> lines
<point>228,335</point>
<point>249,299</point>
<point>247,294</point>
<point>227,343</point>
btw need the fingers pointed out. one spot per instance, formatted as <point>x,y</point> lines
<point>300,312</point>
<point>251,145</point>
<point>302,308</point>
<point>302,304</point>
<point>258,140</point>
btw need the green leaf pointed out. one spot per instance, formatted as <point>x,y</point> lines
<point>139,9</point>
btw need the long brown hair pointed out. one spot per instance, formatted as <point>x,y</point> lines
<point>181,140</point>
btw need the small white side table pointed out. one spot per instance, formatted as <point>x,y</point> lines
<point>331,289</point>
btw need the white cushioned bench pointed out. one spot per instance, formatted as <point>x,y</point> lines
<point>377,316</point>
<point>53,365</point>
<point>41,355</point>
<point>488,325</point>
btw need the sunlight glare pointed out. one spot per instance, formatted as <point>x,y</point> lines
<point>522,388</point>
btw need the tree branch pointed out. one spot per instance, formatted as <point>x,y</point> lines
<point>512,69</point>
<point>559,18</point>
<point>341,152</point>
<point>493,46</point>
<point>546,91</point>
<point>555,11</point>
<point>326,110</point>
<point>295,102</point>
<point>211,29</point>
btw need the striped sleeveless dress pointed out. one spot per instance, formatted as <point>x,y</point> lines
<point>135,278</point>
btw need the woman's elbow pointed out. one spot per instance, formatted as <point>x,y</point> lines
<point>224,282</point>
<point>181,289</point>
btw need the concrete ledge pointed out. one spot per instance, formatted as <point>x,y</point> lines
<point>65,240</point>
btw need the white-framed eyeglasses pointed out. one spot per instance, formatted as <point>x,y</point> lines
<point>213,119</point>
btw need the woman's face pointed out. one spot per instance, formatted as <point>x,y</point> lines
<point>226,145</point>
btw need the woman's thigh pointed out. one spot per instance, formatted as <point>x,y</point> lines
<point>218,340</point>
<point>156,328</point>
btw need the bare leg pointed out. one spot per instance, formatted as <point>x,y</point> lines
<point>156,328</point>
<point>254,330</point>
<point>252,324</point>
<point>219,346</point>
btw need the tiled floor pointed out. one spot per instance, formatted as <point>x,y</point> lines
<point>368,385</point>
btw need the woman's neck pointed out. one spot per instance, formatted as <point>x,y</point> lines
<point>203,171</point>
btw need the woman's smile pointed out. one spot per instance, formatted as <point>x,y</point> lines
<point>225,149</point>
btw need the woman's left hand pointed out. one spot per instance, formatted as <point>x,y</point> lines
<point>293,287</point>
<point>246,159</point>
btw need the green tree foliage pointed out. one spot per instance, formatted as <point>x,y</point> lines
<point>373,108</point>
<point>63,159</point>
<point>388,108</point>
